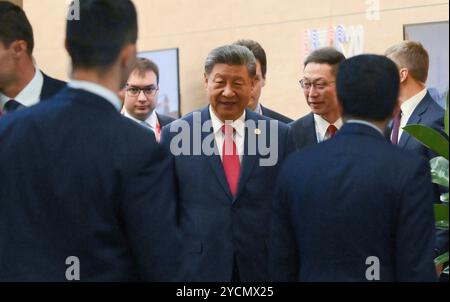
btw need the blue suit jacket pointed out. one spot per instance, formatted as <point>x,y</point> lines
<point>427,113</point>
<point>349,198</point>
<point>217,226</point>
<point>50,87</point>
<point>304,131</point>
<point>275,115</point>
<point>78,179</point>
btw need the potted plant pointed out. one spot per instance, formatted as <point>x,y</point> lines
<point>437,142</point>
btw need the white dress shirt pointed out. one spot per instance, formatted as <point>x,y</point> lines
<point>258,109</point>
<point>219,136</point>
<point>408,108</point>
<point>367,124</point>
<point>99,90</point>
<point>149,123</point>
<point>30,95</point>
<point>322,125</point>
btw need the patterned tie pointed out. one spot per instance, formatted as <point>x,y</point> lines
<point>12,105</point>
<point>230,159</point>
<point>331,131</point>
<point>396,127</point>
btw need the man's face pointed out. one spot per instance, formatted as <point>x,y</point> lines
<point>321,95</point>
<point>229,89</point>
<point>141,103</point>
<point>259,84</point>
<point>6,67</point>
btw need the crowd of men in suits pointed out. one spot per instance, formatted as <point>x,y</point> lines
<point>91,172</point>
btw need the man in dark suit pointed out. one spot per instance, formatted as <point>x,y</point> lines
<point>261,70</point>
<point>22,84</point>
<point>225,174</point>
<point>85,194</point>
<point>416,104</point>
<point>141,95</point>
<point>318,85</point>
<point>355,208</point>
<point>416,107</point>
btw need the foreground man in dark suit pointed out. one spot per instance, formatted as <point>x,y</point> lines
<point>225,177</point>
<point>79,180</point>
<point>355,208</point>
<point>22,84</point>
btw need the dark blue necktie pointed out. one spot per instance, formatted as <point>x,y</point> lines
<point>12,105</point>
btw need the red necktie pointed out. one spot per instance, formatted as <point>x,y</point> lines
<point>331,131</point>
<point>158,131</point>
<point>396,127</point>
<point>230,159</point>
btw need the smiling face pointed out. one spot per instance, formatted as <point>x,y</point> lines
<point>229,89</point>
<point>321,96</point>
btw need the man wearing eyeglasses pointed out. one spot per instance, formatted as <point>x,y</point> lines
<point>141,97</point>
<point>318,84</point>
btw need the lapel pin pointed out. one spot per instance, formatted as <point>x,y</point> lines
<point>257,131</point>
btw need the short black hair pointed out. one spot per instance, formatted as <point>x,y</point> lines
<point>231,55</point>
<point>257,51</point>
<point>368,87</point>
<point>326,55</point>
<point>103,29</point>
<point>14,26</point>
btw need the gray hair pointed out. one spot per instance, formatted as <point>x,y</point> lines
<point>231,55</point>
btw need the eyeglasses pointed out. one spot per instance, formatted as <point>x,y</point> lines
<point>134,91</point>
<point>319,85</point>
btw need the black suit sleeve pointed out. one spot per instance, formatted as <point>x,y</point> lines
<point>415,229</point>
<point>149,213</point>
<point>283,259</point>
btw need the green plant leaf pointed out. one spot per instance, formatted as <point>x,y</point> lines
<point>430,138</point>
<point>446,118</point>
<point>444,197</point>
<point>441,259</point>
<point>442,225</point>
<point>440,212</point>
<point>439,171</point>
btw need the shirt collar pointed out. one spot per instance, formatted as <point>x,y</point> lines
<point>238,124</point>
<point>258,109</point>
<point>30,94</point>
<point>409,105</point>
<point>322,125</point>
<point>97,90</point>
<point>365,123</point>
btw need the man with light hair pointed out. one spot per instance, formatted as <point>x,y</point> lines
<point>416,104</point>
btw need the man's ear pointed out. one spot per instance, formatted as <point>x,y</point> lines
<point>263,81</point>
<point>19,48</point>
<point>205,80</point>
<point>128,56</point>
<point>404,72</point>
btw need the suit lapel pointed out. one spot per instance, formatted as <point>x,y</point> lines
<point>415,118</point>
<point>248,160</point>
<point>310,133</point>
<point>214,160</point>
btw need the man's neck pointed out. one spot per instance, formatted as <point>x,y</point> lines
<point>331,117</point>
<point>409,90</point>
<point>108,80</point>
<point>24,76</point>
